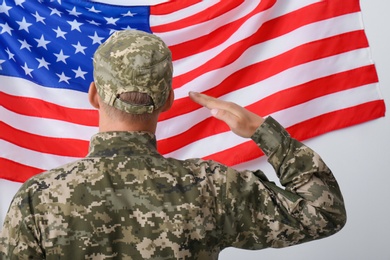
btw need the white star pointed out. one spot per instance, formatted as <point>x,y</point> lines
<point>96,39</point>
<point>55,11</point>
<point>43,63</point>
<point>93,10</point>
<point>111,20</point>
<point>79,48</point>
<point>6,29</point>
<point>61,57</point>
<point>128,28</point>
<point>129,13</point>
<point>23,25</point>
<point>74,12</point>
<point>10,54</point>
<point>63,77</point>
<point>42,42</point>
<point>27,70</point>
<point>2,61</point>
<point>24,44</point>
<point>19,2</point>
<point>39,18</point>
<point>75,25</point>
<point>93,22</point>
<point>60,33</point>
<point>4,8</point>
<point>79,73</point>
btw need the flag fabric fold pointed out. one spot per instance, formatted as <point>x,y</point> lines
<point>306,63</point>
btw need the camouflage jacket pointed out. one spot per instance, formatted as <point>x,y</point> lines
<point>126,201</point>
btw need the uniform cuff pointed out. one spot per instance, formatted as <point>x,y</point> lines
<point>270,135</point>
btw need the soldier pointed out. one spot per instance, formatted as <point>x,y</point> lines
<point>126,201</point>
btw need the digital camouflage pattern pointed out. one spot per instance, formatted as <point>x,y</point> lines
<point>126,201</point>
<point>132,60</point>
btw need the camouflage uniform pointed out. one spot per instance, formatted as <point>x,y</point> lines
<point>126,201</point>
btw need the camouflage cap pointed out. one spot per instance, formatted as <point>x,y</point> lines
<point>133,61</point>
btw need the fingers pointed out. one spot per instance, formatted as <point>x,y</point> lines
<point>204,100</point>
<point>212,103</point>
<point>218,108</point>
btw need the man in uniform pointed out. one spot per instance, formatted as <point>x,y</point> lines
<point>126,201</point>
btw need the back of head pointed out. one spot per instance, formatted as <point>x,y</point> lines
<point>130,64</point>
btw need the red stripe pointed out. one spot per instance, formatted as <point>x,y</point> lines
<point>14,171</point>
<point>338,119</point>
<point>260,71</point>
<point>307,129</point>
<point>315,89</point>
<point>50,145</point>
<point>39,108</point>
<point>278,101</point>
<point>210,13</point>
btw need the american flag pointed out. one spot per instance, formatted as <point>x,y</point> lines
<point>307,63</point>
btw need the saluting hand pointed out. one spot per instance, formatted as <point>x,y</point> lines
<point>241,121</point>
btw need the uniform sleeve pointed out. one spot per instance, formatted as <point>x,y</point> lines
<point>259,214</point>
<point>19,236</point>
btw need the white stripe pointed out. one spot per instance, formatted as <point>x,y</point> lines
<point>286,79</point>
<point>329,103</point>
<point>261,52</point>
<point>156,20</point>
<point>46,127</point>
<point>63,97</point>
<point>287,118</point>
<point>32,158</point>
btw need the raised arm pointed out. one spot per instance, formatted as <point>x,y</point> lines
<point>258,213</point>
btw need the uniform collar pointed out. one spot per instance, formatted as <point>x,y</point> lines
<point>107,144</point>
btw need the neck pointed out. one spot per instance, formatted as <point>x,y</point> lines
<point>107,124</point>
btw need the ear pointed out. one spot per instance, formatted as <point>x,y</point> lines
<point>93,96</point>
<point>169,102</point>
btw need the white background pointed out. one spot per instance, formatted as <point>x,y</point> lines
<point>360,161</point>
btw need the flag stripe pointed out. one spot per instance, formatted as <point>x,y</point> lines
<point>14,171</point>
<point>45,126</point>
<point>59,146</point>
<point>40,108</point>
<point>63,97</point>
<point>31,158</point>
<point>346,117</point>
<point>170,7</point>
